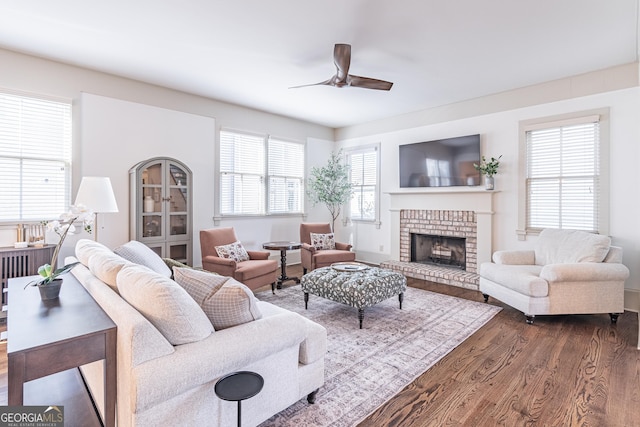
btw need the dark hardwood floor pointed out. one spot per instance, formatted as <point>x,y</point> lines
<point>561,371</point>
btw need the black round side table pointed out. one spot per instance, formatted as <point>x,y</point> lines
<point>239,386</point>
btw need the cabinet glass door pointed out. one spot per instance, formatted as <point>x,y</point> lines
<point>152,206</point>
<point>178,201</point>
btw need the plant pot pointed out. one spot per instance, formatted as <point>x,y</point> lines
<point>51,290</point>
<point>488,182</point>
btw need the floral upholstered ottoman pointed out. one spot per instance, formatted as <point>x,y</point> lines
<point>359,288</point>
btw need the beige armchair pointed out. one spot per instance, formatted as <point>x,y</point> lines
<point>313,257</point>
<point>568,272</point>
<point>255,272</point>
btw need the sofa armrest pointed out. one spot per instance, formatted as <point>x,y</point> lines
<point>258,254</point>
<point>223,352</point>
<point>223,266</point>
<point>584,272</point>
<point>525,257</point>
<point>314,346</point>
<point>343,246</point>
<point>307,247</point>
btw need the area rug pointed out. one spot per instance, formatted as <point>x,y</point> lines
<point>366,367</point>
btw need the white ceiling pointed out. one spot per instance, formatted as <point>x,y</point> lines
<point>250,52</point>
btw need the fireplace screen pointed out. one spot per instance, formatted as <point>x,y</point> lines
<point>438,250</point>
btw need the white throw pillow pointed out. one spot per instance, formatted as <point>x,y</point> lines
<point>570,246</point>
<point>233,304</point>
<point>323,241</point>
<point>106,265</point>
<point>139,253</point>
<point>165,304</point>
<point>199,284</point>
<point>234,251</point>
<point>86,248</point>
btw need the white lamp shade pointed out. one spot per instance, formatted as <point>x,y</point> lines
<point>96,194</point>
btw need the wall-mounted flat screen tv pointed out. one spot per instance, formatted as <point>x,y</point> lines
<point>440,163</point>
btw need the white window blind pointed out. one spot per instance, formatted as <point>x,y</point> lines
<point>286,176</point>
<point>241,174</point>
<point>563,176</point>
<point>364,178</point>
<point>253,167</point>
<point>35,158</point>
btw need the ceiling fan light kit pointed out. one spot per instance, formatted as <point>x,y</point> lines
<point>342,78</point>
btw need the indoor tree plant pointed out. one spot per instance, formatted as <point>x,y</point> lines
<point>49,282</point>
<point>488,169</point>
<point>330,185</point>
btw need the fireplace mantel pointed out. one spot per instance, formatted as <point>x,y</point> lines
<point>473,199</point>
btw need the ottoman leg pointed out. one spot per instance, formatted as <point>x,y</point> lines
<point>400,298</point>
<point>360,316</point>
<point>306,299</point>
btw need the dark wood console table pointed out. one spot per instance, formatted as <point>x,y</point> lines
<point>46,337</point>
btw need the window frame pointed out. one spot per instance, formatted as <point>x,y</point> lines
<point>66,159</point>
<point>348,152</point>
<point>265,178</point>
<point>551,122</point>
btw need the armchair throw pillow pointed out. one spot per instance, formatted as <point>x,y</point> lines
<point>234,251</point>
<point>323,241</point>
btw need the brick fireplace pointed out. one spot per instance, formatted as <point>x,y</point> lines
<point>464,214</point>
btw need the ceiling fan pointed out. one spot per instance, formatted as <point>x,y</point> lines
<point>342,78</point>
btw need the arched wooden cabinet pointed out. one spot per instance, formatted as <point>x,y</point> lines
<point>161,207</point>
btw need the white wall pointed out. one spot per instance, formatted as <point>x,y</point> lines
<point>127,122</point>
<point>500,137</point>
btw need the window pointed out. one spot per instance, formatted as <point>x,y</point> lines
<point>35,158</point>
<point>364,167</point>
<point>286,176</point>
<point>564,176</point>
<point>254,166</point>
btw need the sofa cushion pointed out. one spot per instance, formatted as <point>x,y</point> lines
<point>106,265</point>
<point>570,246</point>
<point>85,248</point>
<point>234,251</point>
<point>520,278</point>
<point>200,285</point>
<point>232,305</point>
<point>139,253</point>
<point>165,304</point>
<point>235,305</point>
<point>323,240</point>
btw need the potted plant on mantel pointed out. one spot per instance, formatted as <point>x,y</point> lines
<point>488,169</point>
<point>50,282</point>
<point>330,185</point>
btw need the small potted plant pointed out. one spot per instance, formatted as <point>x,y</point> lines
<point>488,169</point>
<point>50,281</point>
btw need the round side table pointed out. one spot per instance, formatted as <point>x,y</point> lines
<point>239,386</point>
<point>283,247</point>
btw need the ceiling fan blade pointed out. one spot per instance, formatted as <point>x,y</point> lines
<point>330,82</point>
<point>342,59</point>
<point>368,83</point>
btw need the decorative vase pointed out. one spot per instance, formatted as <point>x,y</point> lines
<point>149,204</point>
<point>488,182</point>
<point>51,290</point>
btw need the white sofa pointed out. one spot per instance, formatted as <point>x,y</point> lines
<point>568,272</point>
<point>164,384</point>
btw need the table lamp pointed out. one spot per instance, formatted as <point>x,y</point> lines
<point>96,194</point>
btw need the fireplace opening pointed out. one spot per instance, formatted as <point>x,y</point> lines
<point>438,250</point>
